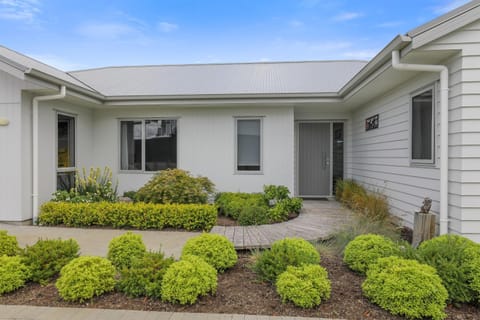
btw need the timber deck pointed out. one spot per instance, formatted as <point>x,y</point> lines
<point>317,221</point>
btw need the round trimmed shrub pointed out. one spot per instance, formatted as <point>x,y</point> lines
<point>144,278</point>
<point>123,249</point>
<point>406,287</point>
<point>365,249</point>
<point>47,257</point>
<point>286,252</point>
<point>214,249</point>
<point>306,286</point>
<point>457,260</point>
<point>13,273</point>
<point>175,186</point>
<point>85,277</point>
<point>8,244</point>
<point>188,279</point>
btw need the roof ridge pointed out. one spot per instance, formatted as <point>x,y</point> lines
<point>219,64</point>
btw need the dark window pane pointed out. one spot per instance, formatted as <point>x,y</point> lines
<point>248,145</point>
<point>160,144</point>
<point>65,180</point>
<point>131,145</point>
<point>422,126</point>
<point>337,153</point>
<point>65,141</point>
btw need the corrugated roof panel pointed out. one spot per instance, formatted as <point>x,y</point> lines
<point>218,79</point>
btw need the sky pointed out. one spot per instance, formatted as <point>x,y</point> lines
<point>73,35</point>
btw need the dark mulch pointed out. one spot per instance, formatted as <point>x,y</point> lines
<point>240,292</point>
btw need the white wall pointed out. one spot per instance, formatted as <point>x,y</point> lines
<point>464,131</point>
<point>379,158</point>
<point>205,144</point>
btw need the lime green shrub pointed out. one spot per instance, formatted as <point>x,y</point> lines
<point>254,215</point>
<point>175,186</point>
<point>13,273</point>
<point>95,186</point>
<point>231,204</point>
<point>122,250</point>
<point>365,249</point>
<point>129,215</point>
<point>214,249</point>
<point>47,257</point>
<point>306,286</point>
<point>457,260</point>
<point>8,244</point>
<point>144,277</point>
<point>406,288</point>
<point>276,193</point>
<point>86,277</point>
<point>188,279</point>
<point>286,252</point>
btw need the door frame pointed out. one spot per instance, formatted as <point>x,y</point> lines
<point>297,158</point>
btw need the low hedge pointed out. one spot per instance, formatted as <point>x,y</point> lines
<point>132,215</point>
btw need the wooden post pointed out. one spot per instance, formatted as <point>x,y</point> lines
<point>423,228</point>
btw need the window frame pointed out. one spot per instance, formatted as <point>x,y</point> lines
<point>432,160</point>
<point>75,140</point>
<point>247,172</point>
<point>143,144</point>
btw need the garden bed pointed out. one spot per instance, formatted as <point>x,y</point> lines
<point>240,292</point>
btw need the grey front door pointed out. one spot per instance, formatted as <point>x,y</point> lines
<point>314,159</point>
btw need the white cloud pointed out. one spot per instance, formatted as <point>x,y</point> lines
<point>296,24</point>
<point>103,30</point>
<point>57,62</point>
<point>21,10</point>
<point>167,27</point>
<point>364,54</point>
<point>346,16</point>
<point>449,6</point>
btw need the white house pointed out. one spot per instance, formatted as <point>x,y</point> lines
<point>407,123</point>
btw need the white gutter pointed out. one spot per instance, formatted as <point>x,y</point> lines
<point>60,95</point>
<point>443,70</point>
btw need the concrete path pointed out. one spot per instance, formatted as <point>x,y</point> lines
<point>317,220</point>
<point>47,313</point>
<point>95,241</point>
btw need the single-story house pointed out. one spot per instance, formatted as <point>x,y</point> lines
<point>406,123</point>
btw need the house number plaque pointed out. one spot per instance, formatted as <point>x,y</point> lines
<point>371,123</point>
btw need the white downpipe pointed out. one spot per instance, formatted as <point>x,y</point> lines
<point>443,70</point>
<point>60,95</point>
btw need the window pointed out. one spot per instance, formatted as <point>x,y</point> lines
<point>422,114</point>
<point>248,143</point>
<point>148,145</point>
<point>65,152</point>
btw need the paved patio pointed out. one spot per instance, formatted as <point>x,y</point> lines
<point>317,220</point>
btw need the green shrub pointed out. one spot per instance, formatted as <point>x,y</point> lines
<point>144,277</point>
<point>365,249</point>
<point>407,288</point>
<point>131,194</point>
<point>13,273</point>
<point>129,215</point>
<point>457,260</point>
<point>286,252</point>
<point>281,210</point>
<point>231,204</point>
<point>186,280</point>
<point>95,187</point>
<point>122,250</point>
<point>252,216</point>
<point>8,244</point>
<point>214,249</point>
<point>306,286</point>
<point>47,257</point>
<point>276,193</point>
<point>175,186</point>
<point>85,277</point>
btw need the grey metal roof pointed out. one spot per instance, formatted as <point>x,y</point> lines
<point>25,63</point>
<point>222,79</point>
